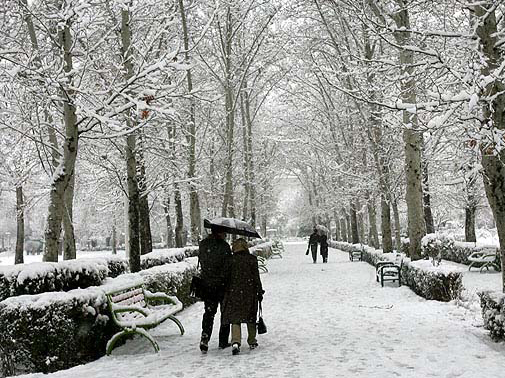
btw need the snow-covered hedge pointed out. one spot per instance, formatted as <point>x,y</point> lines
<point>449,249</point>
<point>263,249</point>
<point>166,256</point>
<point>441,283</point>
<point>493,313</point>
<point>54,331</point>
<point>42,277</point>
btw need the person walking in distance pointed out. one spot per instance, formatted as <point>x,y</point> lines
<point>214,254</point>
<point>243,292</point>
<point>323,246</point>
<point>313,241</point>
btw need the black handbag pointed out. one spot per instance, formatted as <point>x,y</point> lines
<point>260,324</point>
<point>197,287</point>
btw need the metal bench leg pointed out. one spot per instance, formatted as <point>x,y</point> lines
<point>179,324</point>
<point>114,339</point>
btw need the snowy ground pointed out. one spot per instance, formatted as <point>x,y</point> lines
<point>330,320</point>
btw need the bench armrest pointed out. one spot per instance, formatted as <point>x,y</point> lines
<point>149,296</point>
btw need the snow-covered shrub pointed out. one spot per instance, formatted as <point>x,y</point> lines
<point>264,250</point>
<point>53,331</point>
<point>117,266</point>
<point>166,256</point>
<point>41,277</point>
<point>441,283</point>
<point>437,247</point>
<point>493,313</point>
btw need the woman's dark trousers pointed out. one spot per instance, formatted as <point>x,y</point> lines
<point>313,248</point>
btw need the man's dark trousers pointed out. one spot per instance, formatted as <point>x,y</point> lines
<point>208,322</point>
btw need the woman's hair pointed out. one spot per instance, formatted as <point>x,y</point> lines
<point>239,245</point>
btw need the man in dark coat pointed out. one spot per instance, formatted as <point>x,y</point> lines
<point>323,242</point>
<point>243,291</point>
<point>313,241</point>
<point>213,253</point>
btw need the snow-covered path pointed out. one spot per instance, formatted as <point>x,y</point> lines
<point>330,320</point>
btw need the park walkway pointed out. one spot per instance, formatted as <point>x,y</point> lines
<point>324,320</point>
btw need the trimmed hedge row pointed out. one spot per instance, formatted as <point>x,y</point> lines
<point>53,331</point>
<point>493,313</point>
<point>42,277</point>
<point>440,283</point>
<point>447,248</point>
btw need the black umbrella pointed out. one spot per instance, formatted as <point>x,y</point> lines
<point>232,226</point>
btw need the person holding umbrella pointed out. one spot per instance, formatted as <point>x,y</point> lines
<point>214,254</point>
<point>243,292</point>
<point>313,241</point>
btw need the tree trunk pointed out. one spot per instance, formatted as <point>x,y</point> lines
<point>169,230</point>
<point>264,225</point>
<point>387,240</point>
<point>337,226</point>
<point>130,152</point>
<point>194,201</point>
<point>247,179</point>
<point>179,225</point>
<point>343,227</point>
<point>361,222</point>
<point>354,224</point>
<point>412,137</point>
<point>372,221</point>
<point>228,200</point>
<point>494,118</point>
<point>470,224</point>
<point>66,166</point>
<point>69,249</point>
<point>20,220</point>
<point>428,217</point>
<point>396,216</point>
<point>114,240</point>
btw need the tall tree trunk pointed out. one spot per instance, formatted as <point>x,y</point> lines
<point>354,223</point>
<point>337,226</point>
<point>245,146</point>
<point>387,240</point>
<point>412,136</point>
<point>146,240</point>
<point>179,225</point>
<point>194,201</point>
<point>69,249</point>
<point>396,217</point>
<point>169,230</point>
<point>20,221</point>
<point>130,152</point>
<point>470,210</point>
<point>228,200</point>
<point>114,240</point>
<point>428,216</point>
<point>66,166</point>
<point>361,222</point>
<point>494,118</point>
<point>343,227</point>
<point>372,222</point>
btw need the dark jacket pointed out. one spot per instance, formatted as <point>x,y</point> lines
<point>214,254</point>
<point>314,238</point>
<point>242,289</point>
<point>323,239</point>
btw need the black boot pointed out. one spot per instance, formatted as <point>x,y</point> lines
<point>204,343</point>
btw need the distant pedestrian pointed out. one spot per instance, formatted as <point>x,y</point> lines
<point>313,241</point>
<point>323,248</point>
<point>214,254</point>
<point>243,292</point>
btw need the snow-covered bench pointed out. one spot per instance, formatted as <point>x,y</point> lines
<point>484,259</point>
<point>389,270</point>
<point>262,264</point>
<point>277,249</point>
<point>355,255</point>
<point>133,312</point>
